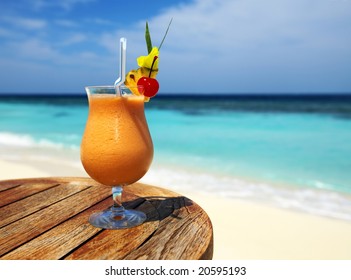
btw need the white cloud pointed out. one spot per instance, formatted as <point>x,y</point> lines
<point>101,21</point>
<point>5,32</point>
<point>34,49</point>
<point>62,4</point>
<point>252,45</point>
<point>39,67</point>
<point>25,23</point>
<point>212,45</point>
<point>74,39</point>
<point>216,24</point>
<point>66,23</point>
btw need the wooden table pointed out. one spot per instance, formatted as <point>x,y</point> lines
<point>47,218</point>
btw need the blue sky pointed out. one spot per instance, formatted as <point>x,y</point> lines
<point>213,46</point>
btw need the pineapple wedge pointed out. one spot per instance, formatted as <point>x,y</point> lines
<point>134,75</point>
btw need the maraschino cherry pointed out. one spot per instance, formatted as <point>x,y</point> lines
<point>149,85</point>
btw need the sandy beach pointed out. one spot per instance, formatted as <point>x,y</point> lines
<point>242,229</point>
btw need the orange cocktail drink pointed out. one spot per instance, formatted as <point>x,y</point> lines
<point>116,149</point>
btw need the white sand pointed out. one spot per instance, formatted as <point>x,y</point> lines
<point>245,230</point>
<point>242,230</point>
<point>9,170</point>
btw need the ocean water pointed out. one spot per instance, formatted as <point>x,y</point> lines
<point>291,150</point>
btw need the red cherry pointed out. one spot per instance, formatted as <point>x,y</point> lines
<point>150,86</point>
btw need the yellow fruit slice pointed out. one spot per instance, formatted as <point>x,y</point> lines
<point>134,75</point>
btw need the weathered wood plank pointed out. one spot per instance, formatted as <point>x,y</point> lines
<point>34,203</point>
<point>176,228</point>
<point>64,238</point>
<point>60,240</point>
<point>184,234</point>
<point>145,190</point>
<point>7,185</point>
<point>185,231</point>
<point>22,191</point>
<point>115,244</point>
<point>27,228</point>
<point>23,207</point>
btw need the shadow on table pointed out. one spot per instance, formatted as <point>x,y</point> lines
<point>159,207</point>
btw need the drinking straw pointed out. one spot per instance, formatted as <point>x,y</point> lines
<point>122,63</point>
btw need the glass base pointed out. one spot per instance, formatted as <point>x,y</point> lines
<point>111,219</point>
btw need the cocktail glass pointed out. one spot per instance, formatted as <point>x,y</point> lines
<point>116,149</point>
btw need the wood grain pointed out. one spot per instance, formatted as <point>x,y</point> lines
<point>47,218</point>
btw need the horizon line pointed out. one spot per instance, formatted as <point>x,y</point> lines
<point>163,94</point>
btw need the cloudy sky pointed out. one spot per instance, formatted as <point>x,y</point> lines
<point>213,46</point>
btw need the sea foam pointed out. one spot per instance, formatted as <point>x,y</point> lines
<point>27,141</point>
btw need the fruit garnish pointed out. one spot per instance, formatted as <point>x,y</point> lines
<point>149,60</point>
<point>142,81</point>
<point>148,86</point>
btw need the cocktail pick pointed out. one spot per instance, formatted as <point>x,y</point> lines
<point>122,64</point>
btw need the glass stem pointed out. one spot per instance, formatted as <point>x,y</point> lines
<point>117,207</point>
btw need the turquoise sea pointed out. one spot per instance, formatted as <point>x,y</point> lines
<point>293,150</point>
